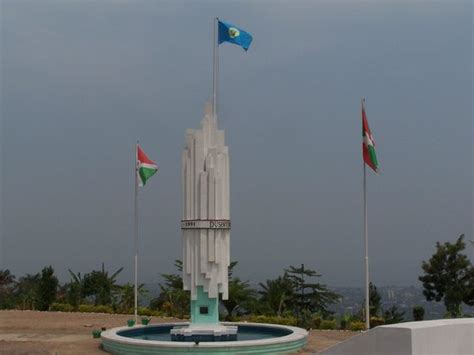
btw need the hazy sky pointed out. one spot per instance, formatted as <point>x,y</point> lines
<point>82,80</point>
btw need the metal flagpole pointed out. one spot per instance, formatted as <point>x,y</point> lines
<point>215,66</point>
<point>367,303</point>
<point>136,235</point>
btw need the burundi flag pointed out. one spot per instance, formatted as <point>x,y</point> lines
<point>233,34</point>
<point>146,167</point>
<point>368,143</point>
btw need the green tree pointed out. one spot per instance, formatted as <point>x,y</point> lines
<point>75,290</point>
<point>393,315</point>
<point>309,297</point>
<point>61,294</point>
<point>418,313</point>
<point>449,277</point>
<point>375,305</point>
<point>26,291</point>
<point>469,296</point>
<point>7,284</point>
<point>6,278</point>
<point>102,287</point>
<point>277,294</point>
<point>127,295</point>
<point>48,286</point>
<point>173,299</point>
<point>241,298</point>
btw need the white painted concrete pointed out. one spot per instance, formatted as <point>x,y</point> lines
<point>205,186</point>
<point>206,329</point>
<point>297,334</point>
<point>436,337</point>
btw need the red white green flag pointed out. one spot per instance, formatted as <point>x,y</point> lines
<point>368,143</point>
<point>146,167</point>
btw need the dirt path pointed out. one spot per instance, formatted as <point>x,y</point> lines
<point>57,333</point>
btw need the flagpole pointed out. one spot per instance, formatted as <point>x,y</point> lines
<point>367,301</point>
<point>215,66</point>
<point>136,237</point>
<point>367,304</point>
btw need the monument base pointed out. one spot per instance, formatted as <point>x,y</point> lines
<point>204,333</point>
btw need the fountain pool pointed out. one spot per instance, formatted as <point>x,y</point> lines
<point>252,338</point>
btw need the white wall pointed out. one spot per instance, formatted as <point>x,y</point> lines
<point>437,337</point>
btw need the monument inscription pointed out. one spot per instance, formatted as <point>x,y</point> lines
<point>205,224</point>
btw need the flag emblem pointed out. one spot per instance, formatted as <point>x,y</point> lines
<point>146,167</point>
<point>368,143</point>
<point>234,32</point>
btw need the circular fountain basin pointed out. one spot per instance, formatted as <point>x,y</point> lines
<point>252,338</point>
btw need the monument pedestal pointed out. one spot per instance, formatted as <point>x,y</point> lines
<point>204,310</point>
<point>204,333</point>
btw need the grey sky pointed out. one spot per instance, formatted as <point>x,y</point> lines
<point>82,80</point>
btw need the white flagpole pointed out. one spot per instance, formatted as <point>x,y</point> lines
<point>367,303</point>
<point>136,236</point>
<point>367,296</point>
<point>215,67</point>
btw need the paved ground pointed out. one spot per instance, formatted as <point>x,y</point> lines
<point>57,333</point>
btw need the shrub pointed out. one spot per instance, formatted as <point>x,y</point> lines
<point>61,307</point>
<point>96,333</point>
<point>90,308</point>
<point>316,323</point>
<point>357,326</point>
<point>305,319</point>
<point>167,308</point>
<point>155,314</point>
<point>144,311</point>
<point>418,313</point>
<point>376,321</point>
<point>328,324</point>
<point>103,309</point>
<point>125,311</point>
<point>273,320</point>
<point>86,308</point>
<point>345,321</point>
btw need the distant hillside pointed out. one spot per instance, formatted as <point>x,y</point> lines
<point>404,297</point>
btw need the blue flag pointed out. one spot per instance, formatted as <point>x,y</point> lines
<point>232,34</point>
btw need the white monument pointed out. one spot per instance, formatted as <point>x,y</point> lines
<point>206,224</point>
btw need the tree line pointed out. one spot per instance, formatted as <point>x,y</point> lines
<point>294,298</point>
